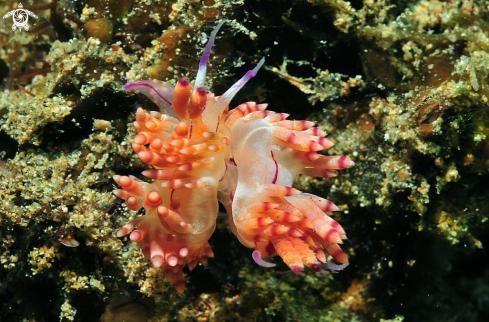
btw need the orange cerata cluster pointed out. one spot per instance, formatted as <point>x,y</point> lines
<point>246,158</point>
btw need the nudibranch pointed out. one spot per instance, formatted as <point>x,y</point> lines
<point>202,153</point>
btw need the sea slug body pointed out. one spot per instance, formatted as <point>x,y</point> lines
<point>268,213</point>
<point>246,158</point>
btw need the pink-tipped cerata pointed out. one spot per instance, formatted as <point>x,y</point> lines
<point>201,152</point>
<point>298,227</point>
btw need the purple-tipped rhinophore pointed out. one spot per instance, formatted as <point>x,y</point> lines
<point>226,98</point>
<point>200,78</point>
<point>257,258</point>
<point>158,92</point>
<point>211,115</point>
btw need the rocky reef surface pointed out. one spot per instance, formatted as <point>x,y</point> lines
<point>401,87</point>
